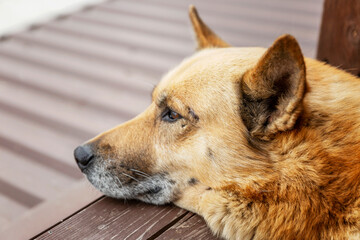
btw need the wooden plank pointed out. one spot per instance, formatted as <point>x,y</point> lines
<point>305,7</point>
<point>119,56</point>
<point>52,212</point>
<point>339,42</point>
<point>191,226</point>
<point>67,62</point>
<point>75,91</point>
<point>223,17</point>
<point>140,84</point>
<point>18,195</point>
<point>40,158</point>
<point>114,219</point>
<point>37,137</point>
<point>180,26</point>
<point>245,12</point>
<point>54,124</point>
<point>107,15</point>
<point>54,111</point>
<point>13,165</point>
<point>115,80</point>
<point>237,31</point>
<point>11,211</point>
<point>124,37</point>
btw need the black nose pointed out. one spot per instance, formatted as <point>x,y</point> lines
<point>83,156</point>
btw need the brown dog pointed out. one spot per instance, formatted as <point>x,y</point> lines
<point>263,144</point>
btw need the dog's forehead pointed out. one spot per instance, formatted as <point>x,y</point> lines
<point>219,65</point>
<point>208,72</point>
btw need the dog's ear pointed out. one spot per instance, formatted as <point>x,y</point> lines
<point>205,37</point>
<point>273,90</point>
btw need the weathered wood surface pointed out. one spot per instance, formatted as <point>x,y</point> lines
<point>191,226</point>
<point>114,219</point>
<point>50,213</point>
<point>339,43</point>
<point>66,80</point>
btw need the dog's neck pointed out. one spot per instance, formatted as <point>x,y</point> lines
<point>314,169</point>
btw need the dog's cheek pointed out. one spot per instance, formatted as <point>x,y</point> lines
<point>178,158</point>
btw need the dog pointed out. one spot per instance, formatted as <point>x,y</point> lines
<point>262,143</point>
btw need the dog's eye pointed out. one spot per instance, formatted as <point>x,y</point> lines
<point>170,116</point>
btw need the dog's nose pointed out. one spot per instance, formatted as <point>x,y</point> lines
<point>83,156</point>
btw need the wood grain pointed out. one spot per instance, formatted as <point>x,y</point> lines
<point>114,219</point>
<point>339,43</point>
<point>50,213</point>
<point>191,226</point>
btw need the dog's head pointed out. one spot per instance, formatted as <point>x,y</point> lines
<point>206,124</point>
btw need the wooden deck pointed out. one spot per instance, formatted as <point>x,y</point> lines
<point>109,219</point>
<point>64,81</point>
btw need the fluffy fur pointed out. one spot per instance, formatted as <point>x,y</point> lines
<point>267,145</point>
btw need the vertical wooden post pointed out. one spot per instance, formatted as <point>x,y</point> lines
<point>339,42</point>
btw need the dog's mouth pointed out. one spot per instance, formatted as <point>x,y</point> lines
<point>156,188</point>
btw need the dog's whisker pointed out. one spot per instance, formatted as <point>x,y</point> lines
<point>130,177</point>
<point>118,180</point>
<point>135,170</point>
<point>142,175</point>
<point>140,172</point>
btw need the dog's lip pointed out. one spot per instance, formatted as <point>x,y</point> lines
<point>85,169</point>
<point>149,192</point>
<point>154,190</point>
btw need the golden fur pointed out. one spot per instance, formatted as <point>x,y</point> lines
<point>268,145</point>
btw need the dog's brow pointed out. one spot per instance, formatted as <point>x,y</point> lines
<point>193,114</point>
<point>161,99</point>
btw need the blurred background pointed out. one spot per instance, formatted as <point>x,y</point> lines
<point>71,69</point>
<point>16,15</point>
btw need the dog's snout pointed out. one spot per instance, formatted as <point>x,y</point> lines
<point>83,156</point>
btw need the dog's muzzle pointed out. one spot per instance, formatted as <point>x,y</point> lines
<point>116,180</point>
<point>83,156</point>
